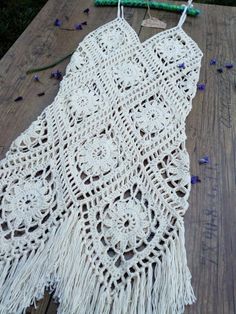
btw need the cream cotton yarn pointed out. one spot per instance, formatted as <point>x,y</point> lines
<point>93,193</point>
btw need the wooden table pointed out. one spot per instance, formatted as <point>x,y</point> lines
<point>211,219</point>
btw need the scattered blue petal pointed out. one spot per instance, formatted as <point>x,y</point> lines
<point>56,74</point>
<point>220,70</point>
<point>195,179</point>
<point>36,78</point>
<point>41,94</point>
<point>58,22</point>
<point>78,26</point>
<point>86,11</point>
<point>201,86</point>
<point>229,65</point>
<point>19,98</point>
<point>181,66</point>
<point>203,160</point>
<point>213,62</point>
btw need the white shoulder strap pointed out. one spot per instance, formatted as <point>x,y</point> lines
<point>184,14</point>
<point>120,10</point>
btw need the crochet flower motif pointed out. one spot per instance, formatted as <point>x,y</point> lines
<point>85,101</point>
<point>25,203</point>
<point>98,155</point>
<point>128,75</point>
<point>111,40</point>
<point>153,117</point>
<point>173,51</point>
<point>126,223</point>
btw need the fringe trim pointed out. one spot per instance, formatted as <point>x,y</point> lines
<point>62,265</point>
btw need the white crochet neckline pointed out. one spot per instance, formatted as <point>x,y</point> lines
<point>157,35</point>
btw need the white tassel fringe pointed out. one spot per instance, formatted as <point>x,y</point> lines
<point>60,264</point>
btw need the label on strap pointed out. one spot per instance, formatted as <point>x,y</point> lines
<point>154,22</point>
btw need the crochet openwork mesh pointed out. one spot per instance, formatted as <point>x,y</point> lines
<point>93,193</point>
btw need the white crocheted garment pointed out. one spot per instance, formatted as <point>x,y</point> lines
<point>93,193</point>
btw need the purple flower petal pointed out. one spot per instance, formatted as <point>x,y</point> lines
<point>201,86</point>
<point>203,160</point>
<point>41,94</point>
<point>220,70</point>
<point>36,78</point>
<point>84,23</point>
<point>181,66</point>
<point>86,11</point>
<point>213,61</point>
<point>19,98</point>
<point>78,26</point>
<point>229,65</point>
<point>195,179</point>
<point>56,74</point>
<point>57,22</point>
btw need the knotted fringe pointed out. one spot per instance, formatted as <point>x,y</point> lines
<point>163,287</point>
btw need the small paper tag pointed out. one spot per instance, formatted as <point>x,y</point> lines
<point>153,22</point>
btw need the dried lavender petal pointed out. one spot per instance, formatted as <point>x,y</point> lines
<point>195,179</point>
<point>181,66</point>
<point>19,98</point>
<point>56,74</point>
<point>229,65</point>
<point>78,26</point>
<point>86,11</point>
<point>36,78</point>
<point>203,160</point>
<point>201,86</point>
<point>58,22</point>
<point>213,61</point>
<point>41,94</point>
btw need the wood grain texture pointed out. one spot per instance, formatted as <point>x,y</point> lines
<point>210,127</point>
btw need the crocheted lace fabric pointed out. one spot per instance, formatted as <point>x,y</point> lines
<point>93,193</point>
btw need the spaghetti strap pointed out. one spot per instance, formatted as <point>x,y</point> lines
<point>120,10</point>
<point>184,14</point>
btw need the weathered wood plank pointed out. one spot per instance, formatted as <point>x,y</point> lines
<point>210,222</point>
<point>42,306</point>
<point>211,127</point>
